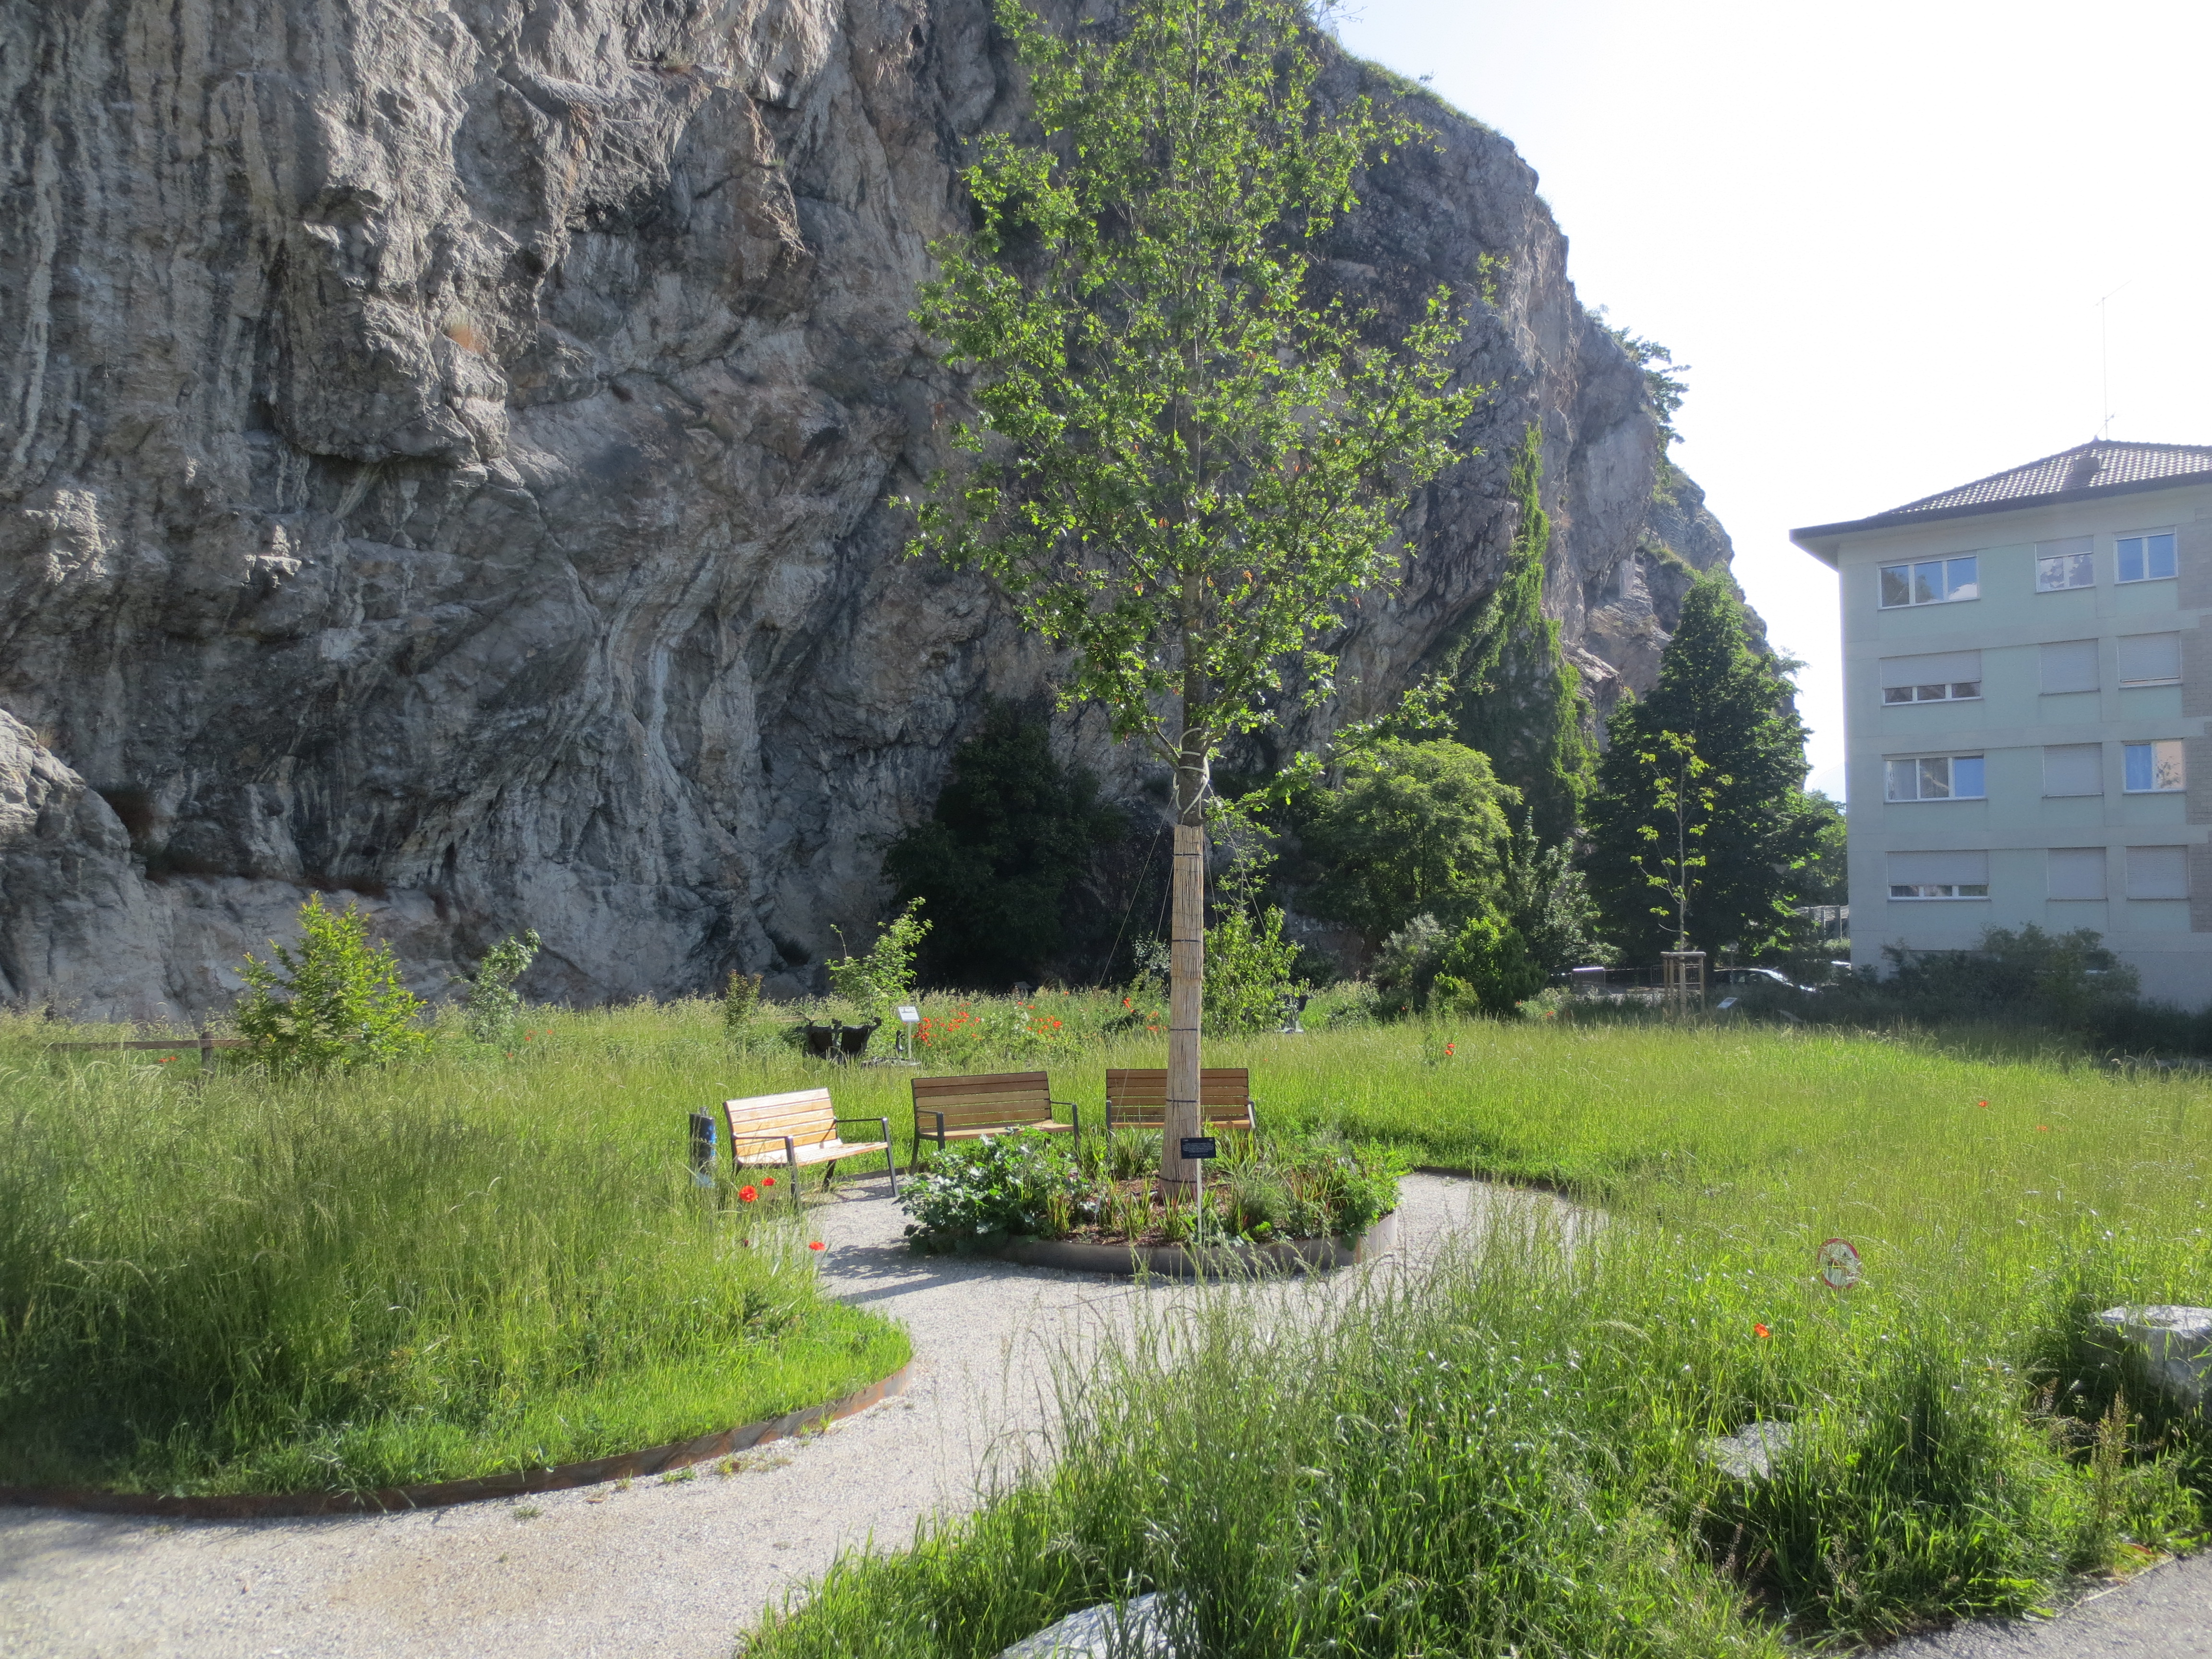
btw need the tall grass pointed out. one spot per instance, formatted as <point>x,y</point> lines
<point>1509,1456</point>
<point>420,1273</point>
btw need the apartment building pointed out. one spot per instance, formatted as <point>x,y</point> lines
<point>2026,687</point>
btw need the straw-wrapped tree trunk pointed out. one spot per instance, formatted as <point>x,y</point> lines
<point>1182,461</point>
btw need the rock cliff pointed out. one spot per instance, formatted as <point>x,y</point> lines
<point>443,450</point>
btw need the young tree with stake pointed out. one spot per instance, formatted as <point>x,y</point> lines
<point>1182,461</point>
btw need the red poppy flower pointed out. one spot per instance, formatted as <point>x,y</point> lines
<point>2042,1128</point>
<point>817,1245</point>
<point>767,1181</point>
<point>747,1194</point>
<point>1760,1331</point>
<point>1984,1104</point>
<point>166,1059</point>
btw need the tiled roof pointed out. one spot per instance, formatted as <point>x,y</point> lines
<point>2094,466</point>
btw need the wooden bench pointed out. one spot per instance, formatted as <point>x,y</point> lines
<point>1138,1098</point>
<point>970,1108</point>
<point>796,1130</point>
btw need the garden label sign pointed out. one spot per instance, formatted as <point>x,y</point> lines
<point>1839,1264</point>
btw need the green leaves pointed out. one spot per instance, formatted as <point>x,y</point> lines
<point>1182,458</point>
<point>336,1001</point>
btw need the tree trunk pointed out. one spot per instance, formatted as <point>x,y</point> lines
<point>1185,978</point>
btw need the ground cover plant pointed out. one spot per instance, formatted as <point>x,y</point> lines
<point>1028,1184</point>
<point>496,1259</point>
<point>1509,1455</point>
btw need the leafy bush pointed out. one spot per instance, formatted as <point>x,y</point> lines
<point>1488,968</point>
<point>989,1189</point>
<point>1405,966</point>
<point>741,998</point>
<point>1415,830</point>
<point>1249,968</point>
<point>336,1001</point>
<point>491,1007</point>
<point>875,981</point>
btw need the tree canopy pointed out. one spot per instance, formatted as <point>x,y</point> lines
<point>1417,829</point>
<point>1518,698</point>
<point>1734,708</point>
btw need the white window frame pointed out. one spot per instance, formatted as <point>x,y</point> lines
<point>2087,554</point>
<point>2145,537</point>
<point>2152,745</point>
<point>1949,691</point>
<point>1924,892</point>
<point>1917,762</point>
<point>1944,569</point>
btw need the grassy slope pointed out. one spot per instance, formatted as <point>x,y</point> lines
<point>474,1265</point>
<point>1508,1459</point>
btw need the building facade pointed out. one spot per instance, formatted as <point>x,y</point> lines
<point>2027,682</point>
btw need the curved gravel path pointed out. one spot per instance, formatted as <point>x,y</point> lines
<point>673,1569</point>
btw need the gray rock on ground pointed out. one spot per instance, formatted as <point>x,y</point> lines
<point>2176,1343</point>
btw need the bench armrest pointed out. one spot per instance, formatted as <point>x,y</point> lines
<point>921,1112</point>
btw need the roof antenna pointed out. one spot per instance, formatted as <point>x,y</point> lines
<point>2104,354</point>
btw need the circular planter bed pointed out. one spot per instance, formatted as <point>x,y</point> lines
<point>652,1460</point>
<point>1215,1260</point>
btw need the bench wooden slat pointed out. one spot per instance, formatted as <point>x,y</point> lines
<point>806,1118</point>
<point>1138,1096</point>
<point>948,1109</point>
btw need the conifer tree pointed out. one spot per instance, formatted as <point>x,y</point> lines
<point>1757,841</point>
<point>1521,701</point>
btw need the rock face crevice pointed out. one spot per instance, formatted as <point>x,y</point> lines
<point>443,457</point>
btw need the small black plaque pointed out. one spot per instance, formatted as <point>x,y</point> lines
<point>1200,1146</point>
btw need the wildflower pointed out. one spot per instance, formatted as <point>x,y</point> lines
<point>166,1059</point>
<point>1126,1002</point>
<point>1761,1332</point>
<point>817,1245</point>
<point>1450,1048</point>
<point>747,1194</point>
<point>767,1181</point>
<point>1984,1104</point>
<point>2042,1128</point>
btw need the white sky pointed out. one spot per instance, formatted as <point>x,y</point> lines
<point>1877,232</point>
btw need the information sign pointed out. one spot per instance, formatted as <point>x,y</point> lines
<point>1196,1146</point>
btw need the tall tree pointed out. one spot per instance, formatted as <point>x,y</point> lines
<point>1184,461</point>
<point>1736,710</point>
<point>1519,700</point>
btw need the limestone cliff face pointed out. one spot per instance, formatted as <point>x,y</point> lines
<point>442,455</point>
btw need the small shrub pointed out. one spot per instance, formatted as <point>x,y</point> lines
<point>491,1006</point>
<point>1004,1185</point>
<point>740,1000</point>
<point>335,1001</point>
<point>874,982</point>
<point>1250,969</point>
<point>1488,969</point>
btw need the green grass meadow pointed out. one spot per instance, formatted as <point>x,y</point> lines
<point>489,1260</point>
<point>1507,1457</point>
<point>478,1264</point>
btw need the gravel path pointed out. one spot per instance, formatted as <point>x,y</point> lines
<point>671,1570</point>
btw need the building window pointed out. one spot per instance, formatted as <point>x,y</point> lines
<point>1935,582</point>
<point>2073,769</point>
<point>2076,872</point>
<point>1939,677</point>
<point>2070,665</point>
<point>1960,875</point>
<point>2145,558</point>
<point>2064,564</point>
<point>2150,659</point>
<point>1940,692</point>
<point>2152,768</point>
<point>2158,872</point>
<point>1936,777</point>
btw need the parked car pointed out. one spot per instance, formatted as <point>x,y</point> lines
<point>1772,977</point>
